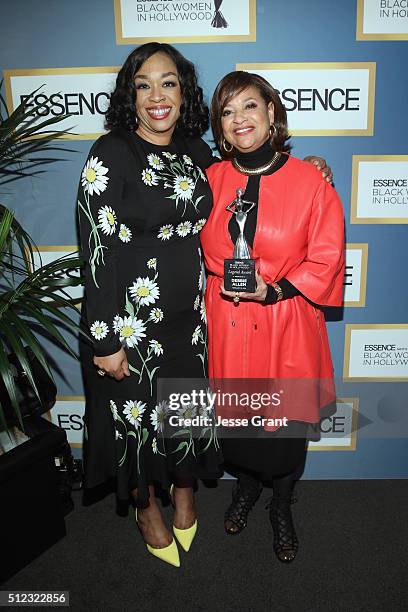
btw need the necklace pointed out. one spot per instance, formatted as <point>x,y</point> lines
<point>260,169</point>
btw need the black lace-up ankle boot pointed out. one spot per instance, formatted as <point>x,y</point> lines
<point>245,494</point>
<point>285,542</point>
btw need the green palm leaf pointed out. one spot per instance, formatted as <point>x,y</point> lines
<point>33,297</point>
<point>9,382</point>
<point>22,135</point>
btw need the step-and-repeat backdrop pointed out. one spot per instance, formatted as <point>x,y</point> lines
<point>340,71</point>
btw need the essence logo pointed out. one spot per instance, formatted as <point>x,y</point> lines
<point>379,347</point>
<point>348,276</point>
<point>68,413</point>
<point>84,93</point>
<point>335,99</point>
<point>324,99</point>
<point>47,254</point>
<point>70,422</point>
<point>338,432</point>
<point>355,276</point>
<point>74,103</point>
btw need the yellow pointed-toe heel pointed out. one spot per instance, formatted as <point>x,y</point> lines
<point>184,537</point>
<point>168,554</point>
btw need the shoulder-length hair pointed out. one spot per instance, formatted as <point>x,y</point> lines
<point>236,82</point>
<point>193,120</point>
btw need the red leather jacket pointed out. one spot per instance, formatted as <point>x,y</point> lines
<point>299,236</point>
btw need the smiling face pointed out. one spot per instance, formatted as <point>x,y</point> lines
<point>246,120</point>
<point>158,99</point>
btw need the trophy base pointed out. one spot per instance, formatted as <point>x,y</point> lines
<point>239,275</point>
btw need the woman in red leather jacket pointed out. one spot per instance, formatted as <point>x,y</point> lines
<point>277,333</point>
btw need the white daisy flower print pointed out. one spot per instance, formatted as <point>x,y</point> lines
<point>166,232</point>
<point>187,412</point>
<point>107,220</point>
<point>114,410</point>
<point>197,303</point>
<point>202,175</point>
<point>169,156</point>
<point>158,416</point>
<point>156,315</point>
<point>201,280</point>
<point>154,446</point>
<point>99,330</point>
<point>133,411</point>
<point>183,229</point>
<point>157,347</point>
<point>187,160</point>
<point>201,410</point>
<point>149,177</point>
<point>144,291</point>
<point>117,323</point>
<point>152,263</point>
<point>155,161</point>
<point>94,179</point>
<point>196,335</point>
<point>131,330</point>
<point>203,312</point>
<point>183,187</point>
<point>198,226</point>
<point>125,235</point>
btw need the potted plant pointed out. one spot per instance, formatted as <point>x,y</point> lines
<point>33,304</point>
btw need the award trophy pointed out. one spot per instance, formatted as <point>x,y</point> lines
<point>239,272</point>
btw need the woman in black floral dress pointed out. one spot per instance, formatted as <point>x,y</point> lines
<point>143,200</point>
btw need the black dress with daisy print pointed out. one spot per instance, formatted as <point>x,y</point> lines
<point>141,208</point>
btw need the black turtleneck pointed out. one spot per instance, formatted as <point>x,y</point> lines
<point>256,159</point>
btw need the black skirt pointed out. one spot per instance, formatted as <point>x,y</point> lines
<point>266,455</point>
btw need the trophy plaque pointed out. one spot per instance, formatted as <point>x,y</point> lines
<point>239,271</point>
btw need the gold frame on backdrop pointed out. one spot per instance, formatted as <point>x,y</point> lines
<point>347,344</point>
<point>59,247</point>
<point>363,247</point>
<point>8,74</point>
<point>354,190</point>
<point>353,438</point>
<point>361,35</point>
<point>370,66</point>
<point>67,398</point>
<point>41,248</point>
<point>137,40</point>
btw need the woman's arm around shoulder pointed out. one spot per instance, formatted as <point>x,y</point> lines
<point>202,153</point>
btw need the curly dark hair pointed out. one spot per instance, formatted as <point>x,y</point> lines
<point>193,120</point>
<point>231,85</point>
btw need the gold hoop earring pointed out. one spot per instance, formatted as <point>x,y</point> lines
<point>224,142</point>
<point>272,134</point>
